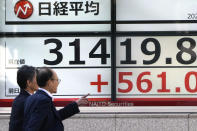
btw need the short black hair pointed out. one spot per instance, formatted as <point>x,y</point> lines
<point>43,75</point>
<point>25,73</point>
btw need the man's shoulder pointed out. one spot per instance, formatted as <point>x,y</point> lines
<point>20,99</point>
<point>41,97</point>
<point>38,101</point>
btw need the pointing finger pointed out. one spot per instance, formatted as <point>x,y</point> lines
<point>86,95</point>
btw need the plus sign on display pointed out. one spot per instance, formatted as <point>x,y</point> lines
<point>99,83</point>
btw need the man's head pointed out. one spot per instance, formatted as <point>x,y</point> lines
<point>47,79</point>
<point>26,78</point>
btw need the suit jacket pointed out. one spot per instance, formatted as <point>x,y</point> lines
<point>41,115</point>
<point>16,118</point>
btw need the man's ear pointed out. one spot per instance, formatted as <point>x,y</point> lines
<point>28,83</point>
<point>49,82</point>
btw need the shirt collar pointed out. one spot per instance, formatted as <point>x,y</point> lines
<point>28,92</point>
<point>48,93</point>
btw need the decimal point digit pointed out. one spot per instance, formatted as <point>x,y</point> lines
<point>178,89</point>
<point>168,60</point>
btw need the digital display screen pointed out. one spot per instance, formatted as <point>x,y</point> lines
<point>122,52</point>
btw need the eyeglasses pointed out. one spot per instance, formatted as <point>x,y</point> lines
<point>58,80</point>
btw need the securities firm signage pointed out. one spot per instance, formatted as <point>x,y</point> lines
<point>27,11</point>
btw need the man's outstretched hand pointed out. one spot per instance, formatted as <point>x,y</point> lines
<point>83,100</point>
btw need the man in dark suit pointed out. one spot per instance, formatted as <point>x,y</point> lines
<point>40,113</point>
<point>26,79</point>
